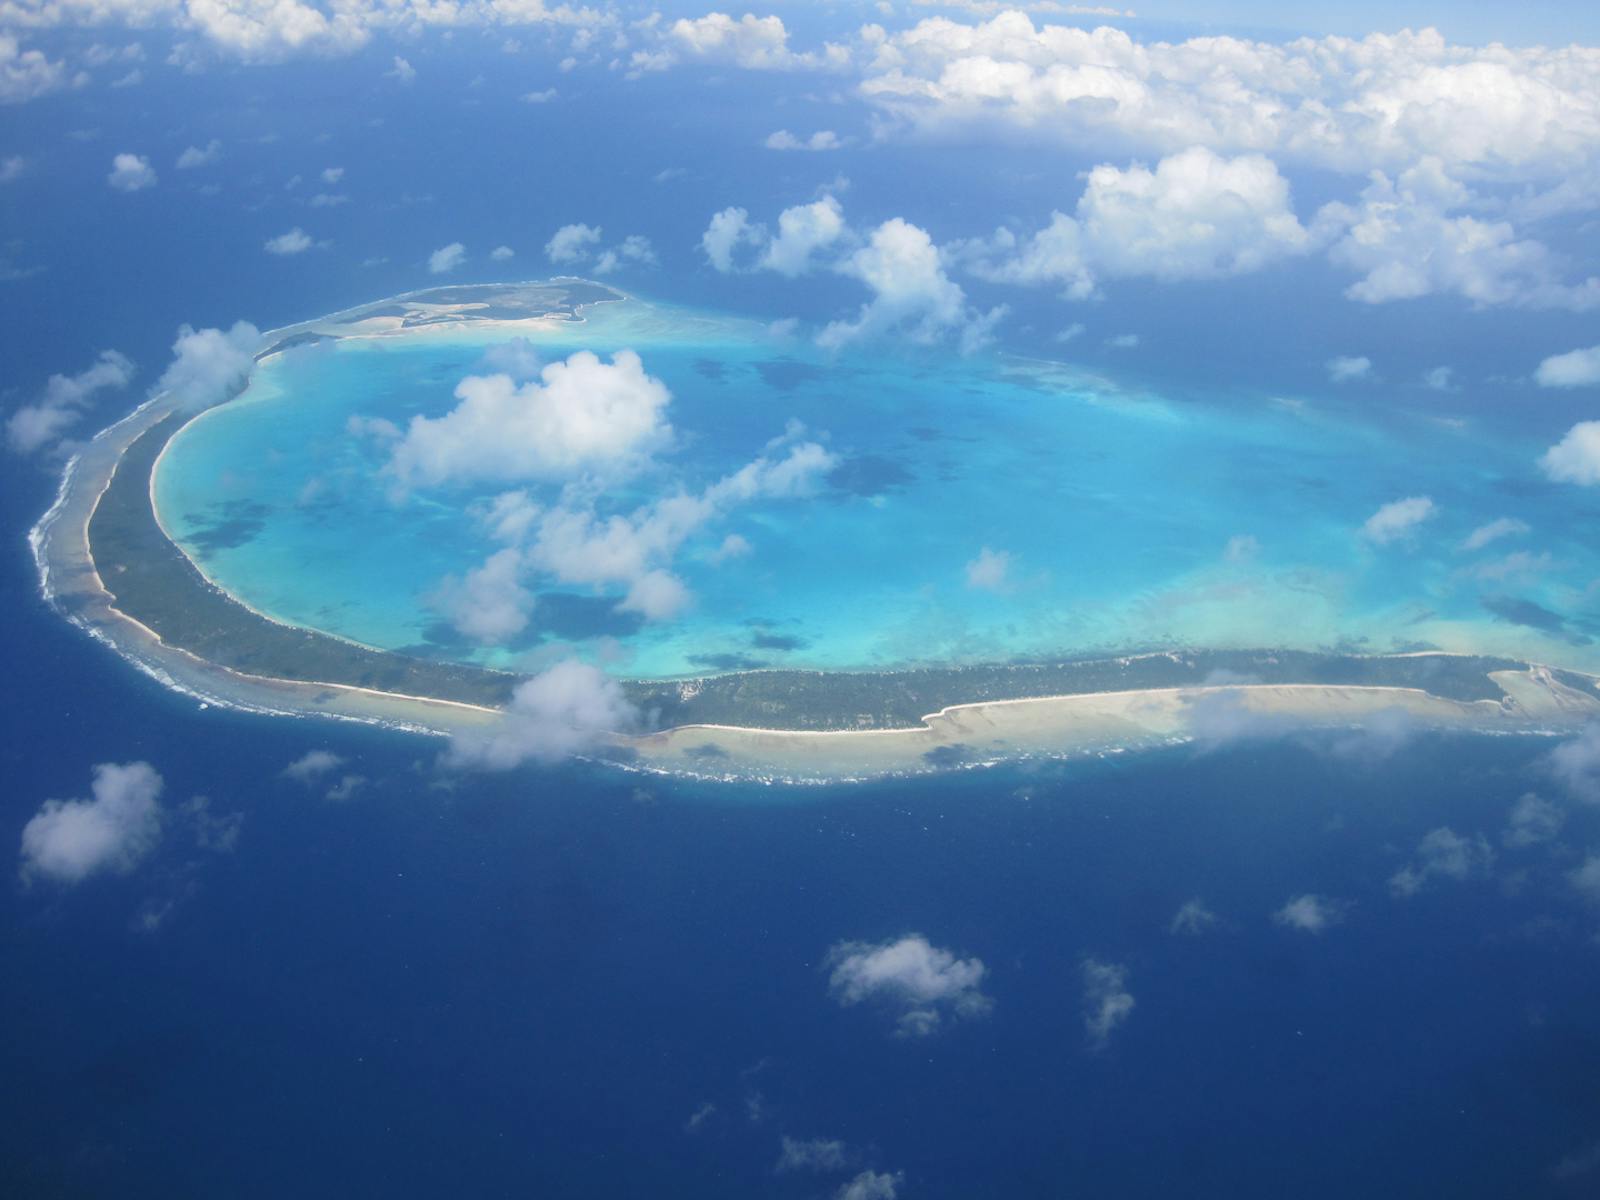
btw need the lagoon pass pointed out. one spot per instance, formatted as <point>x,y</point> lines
<point>820,565</point>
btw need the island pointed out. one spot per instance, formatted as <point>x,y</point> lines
<point>107,564</point>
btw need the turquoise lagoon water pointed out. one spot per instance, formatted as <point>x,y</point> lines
<point>1117,508</point>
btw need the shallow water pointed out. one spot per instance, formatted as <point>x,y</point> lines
<point>1116,505</point>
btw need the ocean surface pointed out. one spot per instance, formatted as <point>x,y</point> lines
<point>1130,517</point>
<point>577,983</point>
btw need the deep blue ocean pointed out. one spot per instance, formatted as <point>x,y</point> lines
<point>576,982</point>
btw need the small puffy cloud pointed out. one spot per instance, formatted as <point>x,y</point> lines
<point>312,766</point>
<point>823,139</point>
<point>12,168</point>
<point>1311,913</point>
<point>69,840</point>
<point>728,230</point>
<point>41,423</point>
<point>1575,764</point>
<point>571,243</point>
<point>871,1185</point>
<point>566,710</point>
<point>502,254</point>
<point>28,74</point>
<point>634,249</point>
<point>402,71</point>
<point>1576,457</point>
<point>1439,379</point>
<point>296,241</point>
<point>216,832</point>
<point>1442,854</point>
<point>195,156</point>
<point>1586,879</point>
<point>579,414</point>
<point>803,230</point>
<point>332,175</point>
<point>543,97</point>
<point>446,258</point>
<point>733,546</point>
<point>1346,368</point>
<point>1493,531</point>
<point>812,1154</point>
<point>1192,918</point>
<point>1576,368</point>
<point>656,596</point>
<point>1533,820</point>
<point>751,42</point>
<point>131,173</point>
<point>209,363</point>
<point>489,604</point>
<point>1398,520</point>
<point>989,571</point>
<point>917,982</point>
<point>1107,1003</point>
<point>910,292</point>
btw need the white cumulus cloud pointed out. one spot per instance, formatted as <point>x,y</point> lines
<point>446,258</point>
<point>1311,913</point>
<point>920,984</point>
<point>1397,520</point>
<point>36,425</point>
<point>1107,1003</point>
<point>566,710</point>
<point>296,241</point>
<point>1576,368</point>
<point>131,173</point>
<point>1576,457</point>
<point>69,840</point>
<point>209,363</point>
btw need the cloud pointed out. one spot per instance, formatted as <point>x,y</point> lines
<point>402,71</point>
<point>28,74</point>
<point>635,249</point>
<point>751,42</point>
<point>1586,879</point>
<point>823,139</point>
<point>656,596</point>
<point>1344,368</point>
<point>131,173</point>
<point>1197,215</point>
<point>917,982</point>
<point>1439,379</point>
<point>312,765</point>
<point>1442,854</point>
<point>871,1185</point>
<point>69,840</point>
<point>1533,820</point>
<point>12,168</point>
<point>571,243</point>
<point>1192,918</point>
<point>1576,457</point>
<point>566,710</point>
<point>1408,239</point>
<point>194,156</point>
<point>543,97</point>
<point>296,241</point>
<point>1576,368</point>
<point>911,294</point>
<point>1311,913</point>
<point>489,605</point>
<point>802,231</point>
<point>207,364</point>
<point>216,833</point>
<point>1336,103</point>
<point>579,414</point>
<point>502,254</point>
<point>1493,531</point>
<point>1575,764</point>
<point>1398,520</point>
<point>813,1154</point>
<point>1107,1003</point>
<point>988,572</point>
<point>332,175</point>
<point>728,230</point>
<point>446,258</point>
<point>41,423</point>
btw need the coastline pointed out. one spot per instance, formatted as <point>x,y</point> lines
<point>839,725</point>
